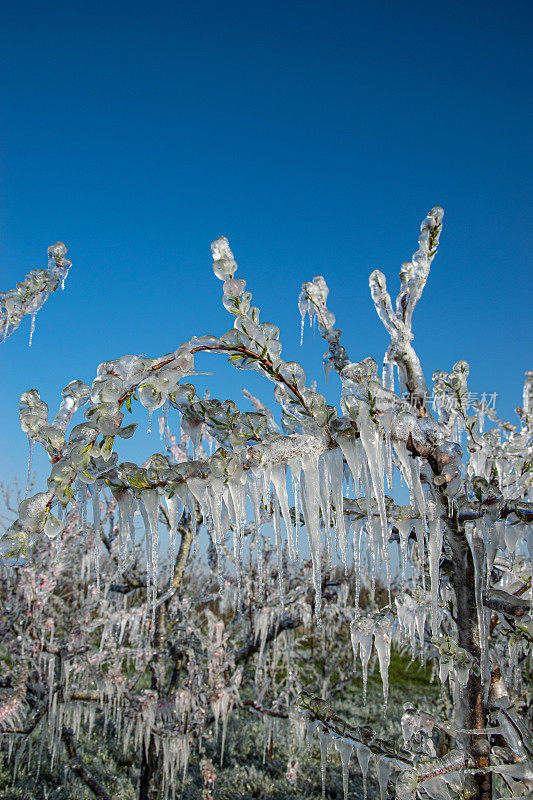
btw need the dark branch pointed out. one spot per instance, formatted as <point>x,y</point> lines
<point>79,769</point>
<point>246,652</point>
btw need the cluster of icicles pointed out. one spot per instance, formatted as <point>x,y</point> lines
<point>31,294</point>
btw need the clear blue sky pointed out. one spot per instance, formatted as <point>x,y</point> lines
<point>314,135</point>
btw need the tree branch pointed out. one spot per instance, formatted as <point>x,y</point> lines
<point>286,623</point>
<point>499,600</point>
<point>79,769</point>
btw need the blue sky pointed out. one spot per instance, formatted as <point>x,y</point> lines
<point>314,135</point>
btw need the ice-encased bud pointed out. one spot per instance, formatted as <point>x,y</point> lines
<point>232,288</point>
<point>53,527</point>
<point>107,417</point>
<point>57,250</point>
<point>224,264</point>
<point>77,390</point>
<point>437,213</point>
<point>149,395</point>
<point>462,367</point>
<point>106,389</point>
<point>32,511</point>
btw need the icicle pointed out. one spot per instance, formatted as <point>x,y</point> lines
<point>124,502</point>
<point>173,505</point>
<point>237,492</point>
<point>363,756</point>
<point>82,508</point>
<point>493,537</point>
<point>254,491</point>
<point>164,430</point>
<point>310,727</point>
<point>348,445</point>
<point>214,495</point>
<point>279,481</point>
<point>303,306</point>
<point>335,466</point>
<point>373,528</point>
<point>476,546</point>
<point>370,433</point>
<point>357,534</point>
<point>95,497</point>
<point>420,622</point>
<point>323,738</point>
<point>388,373</point>
<point>404,529</point>
<point>435,548</point>
<point>279,551</point>
<point>410,468</point>
<point>149,428</point>
<point>345,749</point>
<point>295,469</point>
<point>324,497</point>
<point>386,421</point>
<point>361,635</point>
<point>382,642</point>
<point>30,461</point>
<point>32,327</point>
<point>420,531</point>
<point>310,508</point>
<point>384,769</point>
<point>150,500</point>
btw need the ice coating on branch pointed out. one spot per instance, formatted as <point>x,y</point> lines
<point>312,301</point>
<point>224,264</point>
<point>32,293</point>
<point>413,277</point>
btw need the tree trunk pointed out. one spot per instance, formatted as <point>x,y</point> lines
<point>152,762</point>
<point>151,773</point>
<point>471,712</point>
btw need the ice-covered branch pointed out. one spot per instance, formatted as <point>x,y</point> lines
<point>31,294</point>
<point>312,301</point>
<point>284,624</point>
<point>413,277</point>
<point>269,712</point>
<point>507,603</point>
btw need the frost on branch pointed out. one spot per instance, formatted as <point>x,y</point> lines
<point>31,294</point>
<point>464,538</point>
